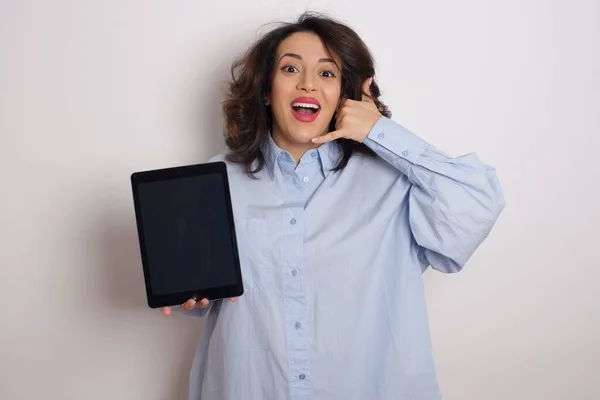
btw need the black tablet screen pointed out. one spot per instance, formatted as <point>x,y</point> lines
<point>187,234</point>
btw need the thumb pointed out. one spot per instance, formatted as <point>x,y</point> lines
<point>366,90</point>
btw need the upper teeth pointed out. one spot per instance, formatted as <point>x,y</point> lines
<point>306,105</point>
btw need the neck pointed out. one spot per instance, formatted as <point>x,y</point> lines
<point>297,150</point>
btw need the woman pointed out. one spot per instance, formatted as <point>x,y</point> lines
<point>338,210</point>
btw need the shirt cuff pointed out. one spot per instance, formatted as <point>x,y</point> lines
<point>396,139</point>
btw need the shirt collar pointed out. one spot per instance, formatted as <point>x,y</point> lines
<point>328,154</point>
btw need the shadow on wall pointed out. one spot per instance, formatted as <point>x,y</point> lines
<point>124,288</point>
<point>123,291</point>
<point>205,112</point>
<point>122,280</point>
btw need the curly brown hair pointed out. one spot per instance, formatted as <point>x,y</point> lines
<point>248,119</point>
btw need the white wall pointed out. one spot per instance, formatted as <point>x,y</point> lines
<point>93,90</point>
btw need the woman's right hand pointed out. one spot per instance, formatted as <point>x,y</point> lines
<point>191,304</point>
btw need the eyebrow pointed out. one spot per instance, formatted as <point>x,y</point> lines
<point>299,57</point>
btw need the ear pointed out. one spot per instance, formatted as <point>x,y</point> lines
<point>267,100</point>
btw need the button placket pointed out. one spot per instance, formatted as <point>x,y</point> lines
<point>295,302</point>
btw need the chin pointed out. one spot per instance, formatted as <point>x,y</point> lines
<point>304,135</point>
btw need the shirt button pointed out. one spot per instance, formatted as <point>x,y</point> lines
<point>305,179</point>
<point>297,325</point>
<point>313,154</point>
<point>405,153</point>
<point>293,221</point>
<point>294,272</point>
<point>381,135</point>
<point>302,376</point>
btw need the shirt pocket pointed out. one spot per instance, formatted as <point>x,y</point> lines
<point>254,248</point>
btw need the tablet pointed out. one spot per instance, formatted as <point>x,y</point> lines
<point>186,234</point>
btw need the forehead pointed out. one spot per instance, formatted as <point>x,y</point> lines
<point>307,45</point>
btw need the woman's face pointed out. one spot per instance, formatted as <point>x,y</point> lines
<point>305,91</point>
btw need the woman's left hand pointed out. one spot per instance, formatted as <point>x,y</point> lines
<point>354,119</point>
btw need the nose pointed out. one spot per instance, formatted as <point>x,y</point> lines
<point>306,83</point>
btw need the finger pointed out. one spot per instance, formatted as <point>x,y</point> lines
<point>233,299</point>
<point>346,106</point>
<point>202,303</point>
<point>338,118</point>
<point>189,305</point>
<point>338,123</point>
<point>166,310</point>
<point>342,119</point>
<point>328,137</point>
<point>338,109</point>
<point>366,90</point>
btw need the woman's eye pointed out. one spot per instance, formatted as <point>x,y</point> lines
<point>328,74</point>
<point>289,68</point>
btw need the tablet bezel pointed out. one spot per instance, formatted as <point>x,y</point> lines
<point>172,299</point>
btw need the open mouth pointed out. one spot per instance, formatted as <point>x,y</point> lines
<point>306,109</point>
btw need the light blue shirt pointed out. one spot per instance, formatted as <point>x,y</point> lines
<point>334,304</point>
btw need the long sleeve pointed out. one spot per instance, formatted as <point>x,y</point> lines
<point>453,202</point>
